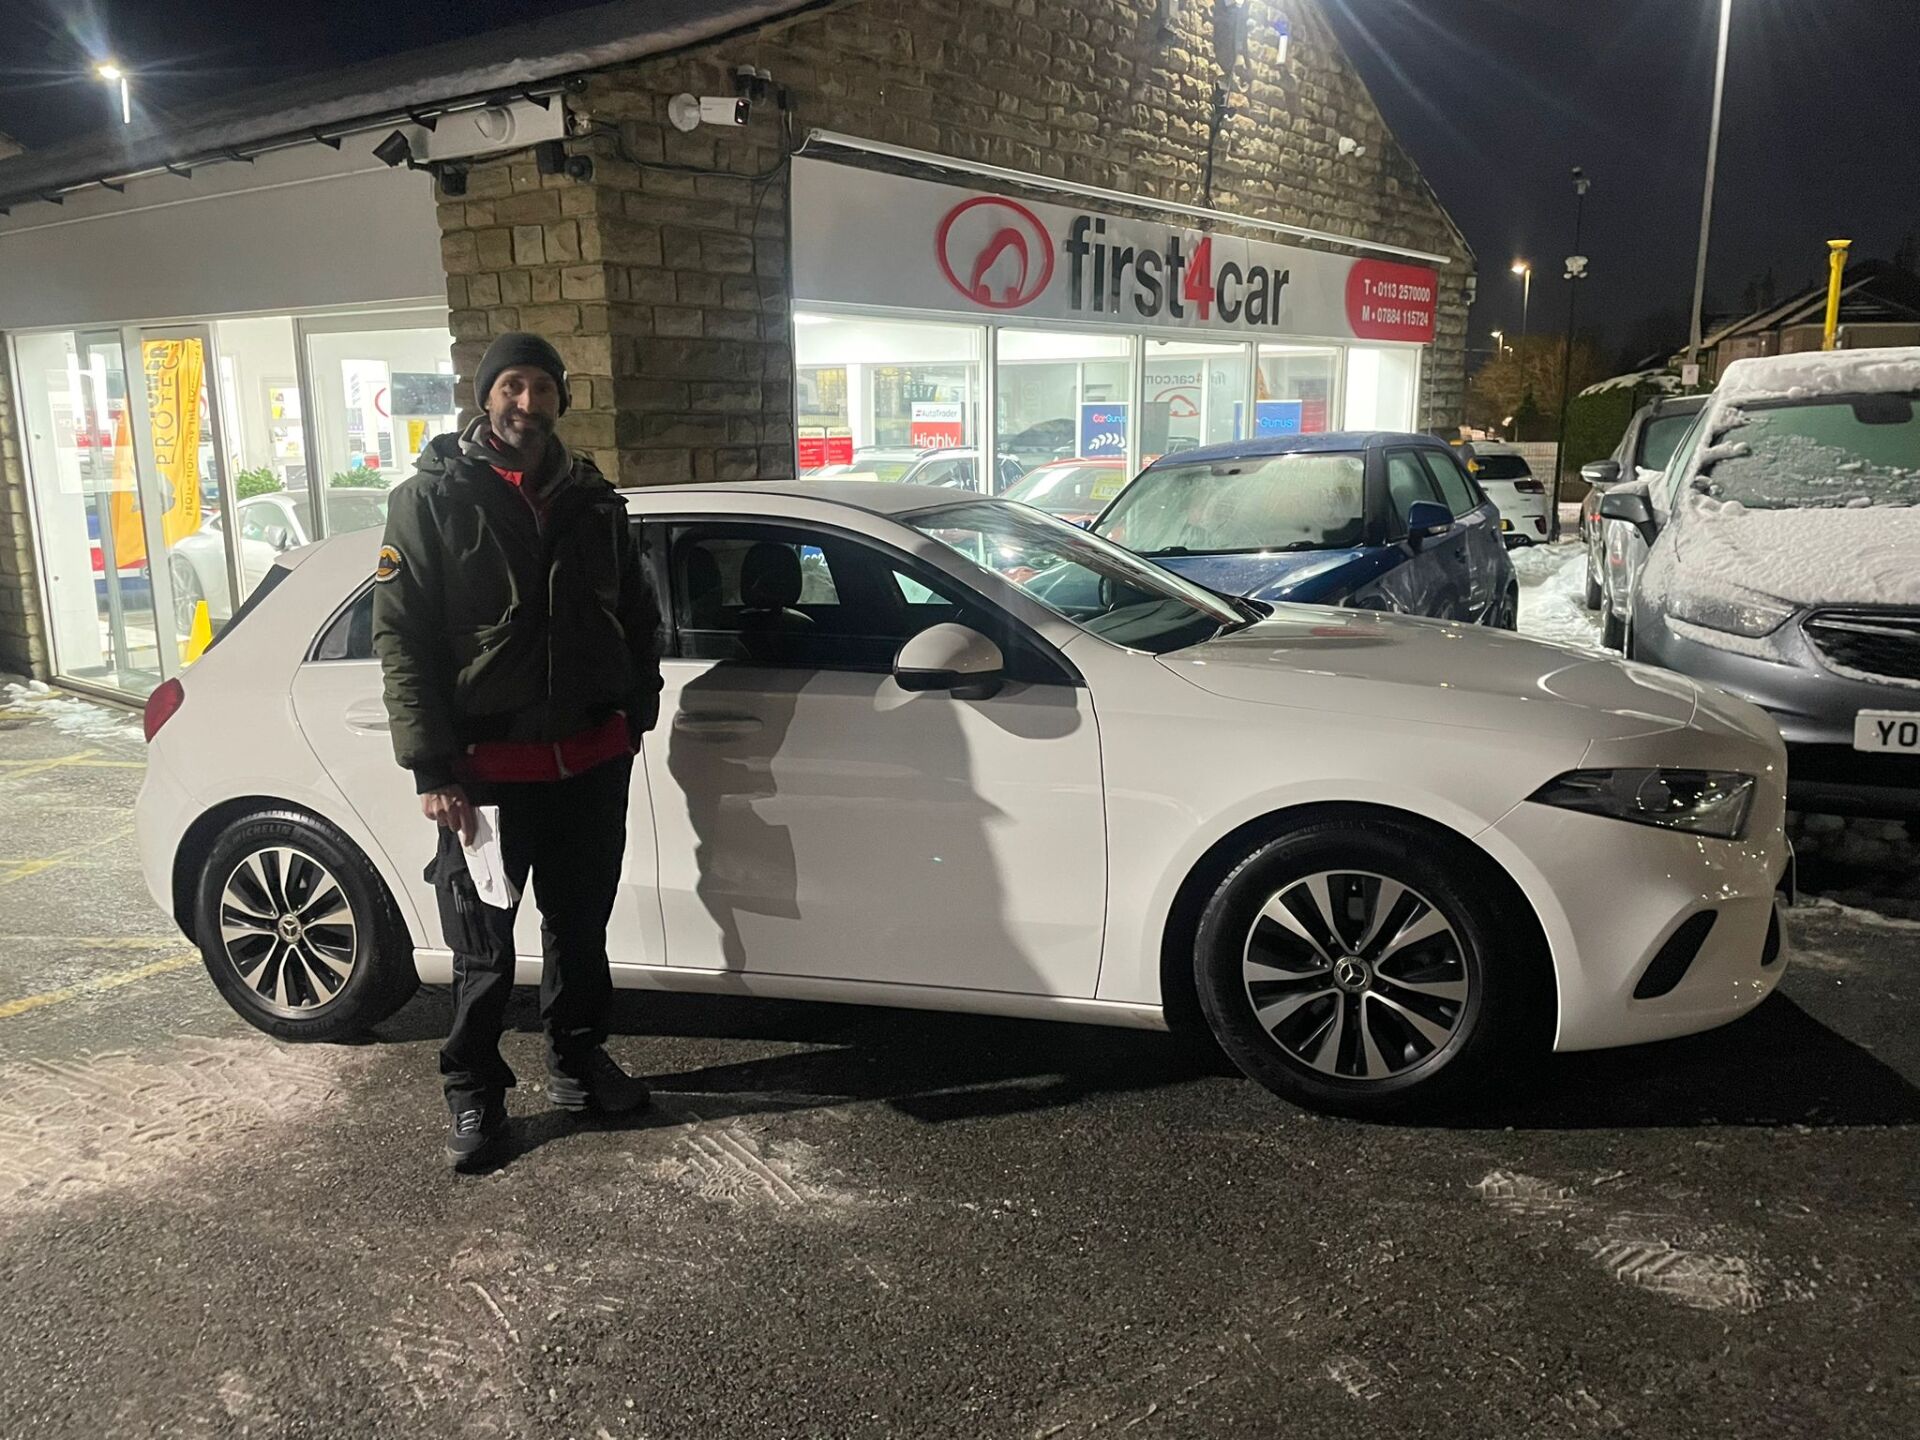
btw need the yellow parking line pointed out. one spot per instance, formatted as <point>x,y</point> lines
<point>24,868</point>
<point>34,767</point>
<point>78,762</point>
<point>97,942</point>
<point>11,1008</point>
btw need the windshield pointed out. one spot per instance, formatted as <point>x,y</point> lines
<point>1840,451</point>
<point>1500,467</point>
<point>1099,587</point>
<point>1661,437</point>
<point>1073,488</point>
<point>1269,502</point>
<point>346,510</point>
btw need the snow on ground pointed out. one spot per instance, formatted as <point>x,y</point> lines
<point>1552,581</point>
<point>82,719</point>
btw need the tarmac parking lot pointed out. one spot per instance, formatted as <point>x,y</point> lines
<point>847,1222</point>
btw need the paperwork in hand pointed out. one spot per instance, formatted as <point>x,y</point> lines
<point>487,862</point>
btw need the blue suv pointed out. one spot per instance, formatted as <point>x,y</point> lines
<point>1373,519</point>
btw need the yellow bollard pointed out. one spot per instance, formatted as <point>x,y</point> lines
<point>1837,264</point>
<point>199,637</point>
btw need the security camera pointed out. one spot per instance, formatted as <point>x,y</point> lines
<point>690,112</point>
<point>395,150</point>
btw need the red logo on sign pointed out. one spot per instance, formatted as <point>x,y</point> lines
<point>1391,302</point>
<point>1003,237</point>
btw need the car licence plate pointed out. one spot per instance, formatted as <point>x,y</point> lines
<point>1889,730</point>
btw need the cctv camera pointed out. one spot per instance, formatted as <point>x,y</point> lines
<point>394,150</point>
<point>689,112</point>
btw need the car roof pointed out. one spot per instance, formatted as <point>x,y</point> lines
<point>1677,405</point>
<point>1105,462</point>
<point>1490,447</point>
<point>872,499</point>
<point>1324,442</point>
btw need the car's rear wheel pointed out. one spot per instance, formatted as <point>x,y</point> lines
<point>1506,615</point>
<point>1596,593</point>
<point>298,931</point>
<point>186,594</point>
<point>1613,631</point>
<point>1361,967</point>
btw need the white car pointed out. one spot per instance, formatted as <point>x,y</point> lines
<point>1364,848</point>
<point>1515,490</point>
<point>270,525</point>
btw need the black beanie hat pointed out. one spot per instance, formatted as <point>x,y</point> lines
<point>519,347</point>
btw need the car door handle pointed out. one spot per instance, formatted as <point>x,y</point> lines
<point>368,719</point>
<point>713,725</point>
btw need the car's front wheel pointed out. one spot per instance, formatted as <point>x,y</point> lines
<point>1613,631</point>
<point>1359,966</point>
<point>1596,592</point>
<point>298,931</point>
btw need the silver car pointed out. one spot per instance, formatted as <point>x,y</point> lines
<point>1782,563</point>
<point>1653,435</point>
<point>270,525</point>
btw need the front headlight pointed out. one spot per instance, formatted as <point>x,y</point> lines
<point>1730,609</point>
<point>1700,802</point>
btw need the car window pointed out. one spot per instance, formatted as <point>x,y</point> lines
<point>1662,490</point>
<point>1501,467</point>
<point>1295,501</point>
<point>350,635</point>
<point>1660,438</point>
<point>1408,483</point>
<point>1456,489</point>
<point>1825,453</point>
<point>794,598</point>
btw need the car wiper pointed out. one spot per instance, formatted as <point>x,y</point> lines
<point>1170,550</point>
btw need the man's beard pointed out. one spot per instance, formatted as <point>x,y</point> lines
<point>523,429</point>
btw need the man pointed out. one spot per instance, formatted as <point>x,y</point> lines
<point>518,635</point>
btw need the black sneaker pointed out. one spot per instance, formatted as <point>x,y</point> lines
<point>602,1087</point>
<point>474,1137</point>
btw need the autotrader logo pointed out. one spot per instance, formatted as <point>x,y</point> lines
<point>995,252</point>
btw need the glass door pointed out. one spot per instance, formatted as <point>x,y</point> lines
<point>178,519</point>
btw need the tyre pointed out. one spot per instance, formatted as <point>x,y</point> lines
<point>186,594</point>
<point>1596,595</point>
<point>1362,968</point>
<point>1506,614</point>
<point>1613,631</point>
<point>298,931</point>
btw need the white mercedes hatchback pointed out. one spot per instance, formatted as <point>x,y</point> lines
<point>1376,856</point>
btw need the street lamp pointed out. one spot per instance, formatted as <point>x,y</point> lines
<point>1576,272</point>
<point>1692,376</point>
<point>114,75</point>
<point>1525,271</point>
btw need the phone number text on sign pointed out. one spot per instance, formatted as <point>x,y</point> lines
<point>1391,302</point>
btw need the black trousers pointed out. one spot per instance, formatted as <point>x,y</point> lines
<point>572,836</point>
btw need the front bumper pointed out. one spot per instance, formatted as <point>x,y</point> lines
<point>1814,708</point>
<point>1619,893</point>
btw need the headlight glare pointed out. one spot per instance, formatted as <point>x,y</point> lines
<point>1700,802</point>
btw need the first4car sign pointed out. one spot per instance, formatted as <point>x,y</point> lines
<point>866,238</point>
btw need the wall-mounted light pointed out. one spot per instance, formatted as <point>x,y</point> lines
<point>1351,146</point>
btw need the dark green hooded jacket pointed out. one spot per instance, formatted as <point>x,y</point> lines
<point>495,623</point>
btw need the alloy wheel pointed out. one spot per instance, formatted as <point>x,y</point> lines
<point>1355,975</point>
<point>288,930</point>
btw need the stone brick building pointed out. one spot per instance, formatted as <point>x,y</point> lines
<point>706,284</point>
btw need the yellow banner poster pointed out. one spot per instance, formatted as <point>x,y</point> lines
<point>175,371</point>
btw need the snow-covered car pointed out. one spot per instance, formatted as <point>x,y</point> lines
<point>1515,490</point>
<point>1783,564</point>
<point>1653,435</point>
<point>270,525</point>
<point>1361,848</point>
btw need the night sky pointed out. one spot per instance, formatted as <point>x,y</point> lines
<point>1495,99</point>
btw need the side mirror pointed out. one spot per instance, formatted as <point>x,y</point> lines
<point>1630,509</point>
<point>1601,472</point>
<point>951,657</point>
<point>1427,521</point>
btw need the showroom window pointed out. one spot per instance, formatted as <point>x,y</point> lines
<point>873,396</point>
<point>1382,387</point>
<point>1295,389</point>
<point>1064,395</point>
<point>171,465</point>
<point>1191,395</point>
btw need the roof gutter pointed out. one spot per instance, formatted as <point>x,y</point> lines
<point>833,139</point>
<point>329,135</point>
